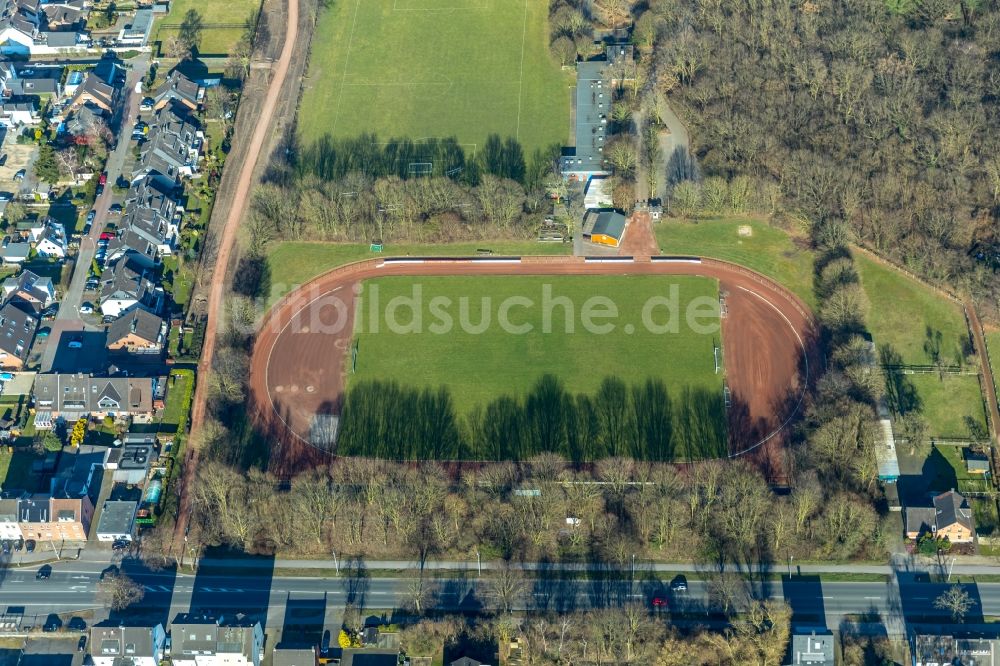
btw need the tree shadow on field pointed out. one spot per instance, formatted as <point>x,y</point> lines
<point>900,393</point>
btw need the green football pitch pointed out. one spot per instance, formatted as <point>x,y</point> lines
<point>436,68</point>
<point>478,367</point>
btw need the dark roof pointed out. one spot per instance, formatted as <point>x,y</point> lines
<point>610,223</point>
<point>593,103</point>
<point>177,86</point>
<point>33,509</point>
<point>141,323</point>
<point>117,517</point>
<point>919,519</point>
<point>17,329</point>
<point>952,508</point>
<point>122,279</point>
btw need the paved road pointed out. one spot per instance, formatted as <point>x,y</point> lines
<point>72,588</point>
<point>68,317</point>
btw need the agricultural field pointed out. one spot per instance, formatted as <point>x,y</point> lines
<point>478,367</point>
<point>223,23</point>
<point>294,263</point>
<point>912,318</point>
<point>436,68</point>
<point>770,251</point>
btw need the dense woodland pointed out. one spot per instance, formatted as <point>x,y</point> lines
<point>874,118</point>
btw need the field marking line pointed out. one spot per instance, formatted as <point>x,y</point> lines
<point>802,393</point>
<point>520,86</point>
<point>347,60</point>
<point>267,366</point>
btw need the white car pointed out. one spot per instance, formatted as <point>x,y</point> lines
<point>86,308</point>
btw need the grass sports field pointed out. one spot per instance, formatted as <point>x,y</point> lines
<point>768,250</point>
<point>480,367</point>
<point>294,263</point>
<point>436,68</point>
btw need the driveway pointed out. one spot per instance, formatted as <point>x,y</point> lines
<point>68,318</point>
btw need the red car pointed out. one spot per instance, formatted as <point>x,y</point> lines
<point>660,602</point>
<point>107,236</point>
<point>103,180</point>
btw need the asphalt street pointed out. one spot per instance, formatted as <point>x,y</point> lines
<point>68,317</point>
<point>72,587</point>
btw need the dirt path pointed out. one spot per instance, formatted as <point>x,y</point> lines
<point>640,239</point>
<point>989,385</point>
<point>301,357</point>
<point>226,242</point>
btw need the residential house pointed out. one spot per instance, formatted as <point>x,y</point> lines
<point>55,518</point>
<point>132,646</point>
<point>125,286</point>
<point>173,150</point>
<point>20,112</point>
<point>30,230</point>
<point>138,332</point>
<point>178,87</point>
<point>10,527</point>
<point>150,193</point>
<point>65,15</point>
<point>14,252</point>
<point>294,656</point>
<point>950,517</point>
<point>96,93</point>
<point>812,650</point>
<point>31,289</point>
<point>17,331</point>
<point>145,237</point>
<point>52,243</point>
<point>22,33</point>
<point>83,121</point>
<point>75,396</point>
<point>137,32</point>
<point>209,641</point>
<point>117,520</point>
<point>467,661</point>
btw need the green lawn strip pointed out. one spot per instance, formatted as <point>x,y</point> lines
<point>15,469</point>
<point>768,250</point>
<point>295,263</point>
<point>993,343</point>
<point>479,367</point>
<point>910,316</point>
<point>178,404</point>
<point>946,402</point>
<point>218,34</point>
<point>403,68</point>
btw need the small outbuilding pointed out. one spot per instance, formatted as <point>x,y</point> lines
<point>604,227</point>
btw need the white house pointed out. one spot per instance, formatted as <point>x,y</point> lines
<point>205,641</point>
<point>139,646</point>
<point>9,526</point>
<point>52,242</point>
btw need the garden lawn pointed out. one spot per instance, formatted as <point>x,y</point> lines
<point>294,263</point>
<point>946,404</point>
<point>908,316</point>
<point>222,20</point>
<point>769,251</point>
<point>480,367</point>
<point>951,471</point>
<point>436,68</point>
<point>15,469</point>
<point>178,405</point>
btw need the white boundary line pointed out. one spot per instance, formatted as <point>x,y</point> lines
<point>802,391</point>
<point>347,60</point>
<point>520,85</point>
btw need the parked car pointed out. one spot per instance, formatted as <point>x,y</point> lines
<point>107,235</point>
<point>43,332</point>
<point>86,228</point>
<point>3,159</point>
<point>81,644</point>
<point>108,319</point>
<point>679,584</point>
<point>75,343</point>
<point>116,209</point>
<point>103,179</point>
<point>21,173</point>
<point>29,545</point>
<point>19,545</point>
<point>6,196</point>
<point>146,104</point>
<point>119,544</point>
<point>7,546</point>
<point>87,308</point>
<point>92,284</point>
<point>99,190</point>
<point>659,602</point>
<point>91,215</point>
<point>44,571</point>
